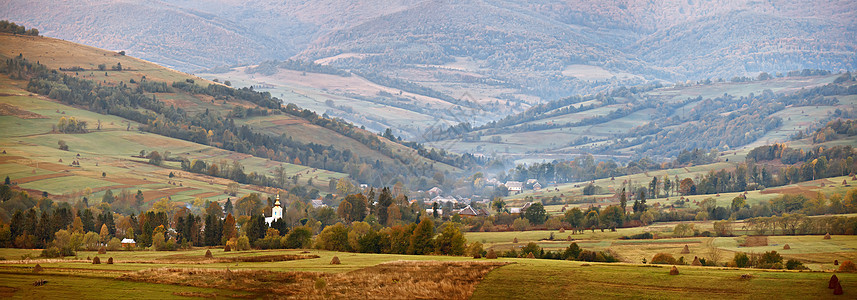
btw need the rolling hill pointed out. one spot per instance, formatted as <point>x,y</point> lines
<point>300,150</point>
<point>488,58</point>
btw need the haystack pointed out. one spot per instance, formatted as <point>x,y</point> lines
<point>673,271</point>
<point>686,250</point>
<point>568,238</point>
<point>110,261</point>
<point>335,261</point>
<point>530,255</point>
<point>561,230</point>
<point>37,268</point>
<point>835,262</point>
<point>827,236</point>
<point>229,275</point>
<point>833,281</point>
<point>208,254</point>
<point>515,240</point>
<point>102,250</point>
<point>837,290</point>
<point>96,261</point>
<point>227,248</point>
<point>477,256</point>
<point>696,262</point>
<point>786,247</point>
<point>491,254</point>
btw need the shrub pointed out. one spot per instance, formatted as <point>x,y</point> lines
<point>664,259</point>
<point>847,266</point>
<point>640,236</point>
<point>531,248</point>
<point>52,252</point>
<point>114,244</point>
<point>243,243</point>
<point>741,260</point>
<point>572,252</point>
<point>475,249</point>
<point>320,283</point>
<point>793,264</point>
<point>491,254</point>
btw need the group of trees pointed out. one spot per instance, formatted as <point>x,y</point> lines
<point>70,125</point>
<point>11,27</point>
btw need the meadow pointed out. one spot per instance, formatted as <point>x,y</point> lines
<point>177,275</point>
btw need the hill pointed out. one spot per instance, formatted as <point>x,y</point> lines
<point>658,122</point>
<point>492,58</point>
<point>176,113</point>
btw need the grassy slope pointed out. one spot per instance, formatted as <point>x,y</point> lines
<point>32,151</point>
<point>555,140</point>
<point>539,279</point>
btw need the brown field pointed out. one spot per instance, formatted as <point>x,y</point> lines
<point>395,280</point>
<point>10,110</point>
<point>755,241</point>
<point>805,191</point>
<point>207,194</point>
<point>40,177</point>
<point>128,181</point>
<point>283,122</point>
<point>154,195</point>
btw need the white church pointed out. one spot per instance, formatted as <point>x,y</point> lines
<point>276,212</point>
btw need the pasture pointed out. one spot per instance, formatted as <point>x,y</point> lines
<point>183,274</point>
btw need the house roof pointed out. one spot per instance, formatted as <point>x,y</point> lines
<point>128,241</point>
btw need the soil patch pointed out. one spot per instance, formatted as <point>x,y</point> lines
<point>805,191</point>
<point>11,110</point>
<point>40,177</point>
<point>394,280</point>
<point>755,241</point>
<point>128,181</point>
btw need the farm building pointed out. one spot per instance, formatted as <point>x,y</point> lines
<point>519,210</point>
<point>128,243</point>
<point>514,186</point>
<point>469,211</point>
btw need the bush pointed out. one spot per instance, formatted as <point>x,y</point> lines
<point>741,260</point>
<point>664,259</point>
<point>639,236</point>
<point>847,266</point>
<point>531,248</point>
<point>114,244</point>
<point>475,249</point>
<point>243,243</point>
<point>793,264</point>
<point>491,254</point>
<point>52,252</point>
<point>320,283</point>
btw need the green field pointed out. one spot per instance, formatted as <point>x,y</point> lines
<point>523,278</point>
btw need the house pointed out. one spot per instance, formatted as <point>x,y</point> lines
<point>520,210</point>
<point>532,181</point>
<point>514,186</point>
<point>435,191</point>
<point>537,186</point>
<point>441,200</point>
<point>126,242</point>
<point>316,203</point>
<point>430,212</point>
<point>469,211</point>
